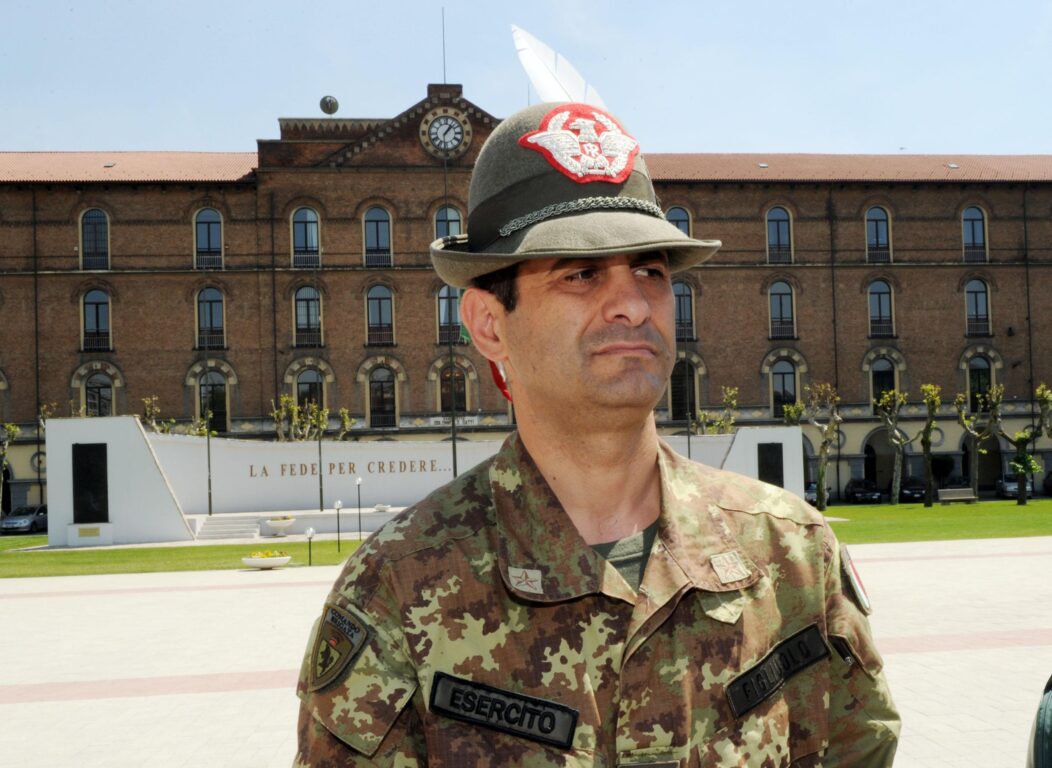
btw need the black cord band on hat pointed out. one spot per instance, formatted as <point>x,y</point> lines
<point>579,205</point>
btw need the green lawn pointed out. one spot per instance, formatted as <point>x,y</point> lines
<point>864,524</point>
<point>913,522</point>
<point>14,562</point>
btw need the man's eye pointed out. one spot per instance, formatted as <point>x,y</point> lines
<point>581,276</point>
<point>651,271</point>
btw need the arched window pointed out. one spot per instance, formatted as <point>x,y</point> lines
<point>783,322</point>
<point>977,307</point>
<point>96,321</point>
<point>974,222</point>
<point>377,238</point>
<point>779,237</point>
<point>447,221</point>
<point>309,388</point>
<point>98,395</point>
<point>308,317</point>
<point>980,378</point>
<point>454,389</point>
<point>881,321</point>
<point>882,377</point>
<point>878,236</point>
<point>212,403</point>
<point>448,315</point>
<point>783,386</point>
<point>306,251</point>
<point>681,388</point>
<point>95,240</point>
<point>208,239</point>
<point>678,217</point>
<point>684,311</point>
<point>382,404</point>
<point>210,334</point>
<point>380,311</point>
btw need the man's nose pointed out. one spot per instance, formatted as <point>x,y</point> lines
<point>625,299</point>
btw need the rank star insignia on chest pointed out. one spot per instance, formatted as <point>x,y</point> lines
<point>526,579</point>
<point>729,567</point>
<point>584,143</point>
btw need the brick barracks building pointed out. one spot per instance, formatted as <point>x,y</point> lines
<point>218,281</point>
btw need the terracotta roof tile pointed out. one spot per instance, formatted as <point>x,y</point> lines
<point>125,166</point>
<point>847,168</point>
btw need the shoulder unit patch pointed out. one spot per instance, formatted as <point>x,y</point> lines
<point>340,639</point>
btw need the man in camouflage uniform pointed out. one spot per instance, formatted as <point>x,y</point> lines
<point>588,597</point>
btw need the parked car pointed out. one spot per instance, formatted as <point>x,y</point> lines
<point>912,489</point>
<point>862,492</point>
<point>25,520</point>
<point>1008,487</point>
<point>811,493</point>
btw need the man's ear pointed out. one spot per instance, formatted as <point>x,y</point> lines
<point>483,315</point>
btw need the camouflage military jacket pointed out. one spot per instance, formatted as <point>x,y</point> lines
<point>478,628</point>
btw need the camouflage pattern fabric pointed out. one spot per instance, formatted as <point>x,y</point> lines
<point>488,581</point>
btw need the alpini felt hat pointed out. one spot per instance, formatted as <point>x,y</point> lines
<point>560,181</point>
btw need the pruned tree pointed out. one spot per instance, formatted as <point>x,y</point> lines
<point>932,396</point>
<point>152,416</point>
<point>1023,462</point>
<point>721,423</point>
<point>296,423</point>
<point>8,434</point>
<point>823,411</point>
<point>1044,402</point>
<point>889,406</point>
<point>793,413</point>
<point>978,425</point>
<point>347,423</point>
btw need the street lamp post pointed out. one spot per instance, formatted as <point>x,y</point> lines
<point>358,485</point>
<point>310,540</point>
<point>339,506</point>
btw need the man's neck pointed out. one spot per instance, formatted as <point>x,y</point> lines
<point>607,481</point>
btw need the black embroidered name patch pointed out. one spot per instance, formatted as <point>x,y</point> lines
<point>526,716</point>
<point>785,660</point>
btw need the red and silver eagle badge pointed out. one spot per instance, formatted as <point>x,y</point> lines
<point>584,143</point>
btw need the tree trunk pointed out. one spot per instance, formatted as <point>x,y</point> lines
<point>928,479</point>
<point>823,459</point>
<point>896,476</point>
<point>973,466</point>
<point>1020,496</point>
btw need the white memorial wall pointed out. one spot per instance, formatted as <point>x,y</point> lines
<point>155,481</point>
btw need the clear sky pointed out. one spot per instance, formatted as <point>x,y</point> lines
<point>914,76</point>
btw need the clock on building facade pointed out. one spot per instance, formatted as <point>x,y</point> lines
<point>445,133</point>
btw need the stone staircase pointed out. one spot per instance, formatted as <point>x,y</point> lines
<point>229,527</point>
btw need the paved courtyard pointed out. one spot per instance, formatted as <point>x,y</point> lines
<point>197,669</point>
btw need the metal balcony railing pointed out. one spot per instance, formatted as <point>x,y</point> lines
<point>306,259</point>
<point>96,261</point>
<point>96,341</point>
<point>211,339</point>
<point>308,337</point>
<point>208,260</point>
<point>881,328</point>
<point>382,419</point>
<point>449,334</point>
<point>779,254</point>
<point>878,255</point>
<point>978,326</point>
<point>684,331</point>
<point>377,257</point>
<point>783,329</point>
<point>381,335</point>
<point>975,254</point>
